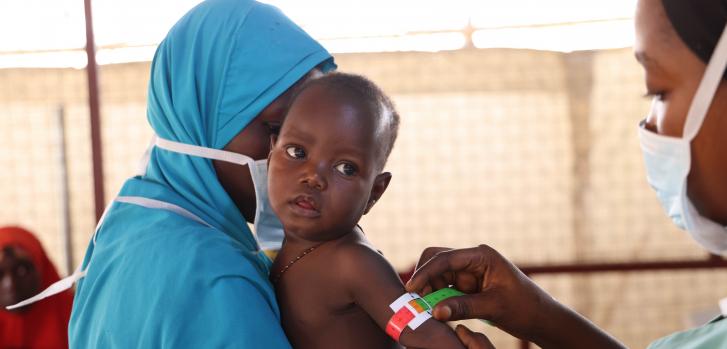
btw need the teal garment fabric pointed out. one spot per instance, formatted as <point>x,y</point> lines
<point>710,336</point>
<point>156,279</point>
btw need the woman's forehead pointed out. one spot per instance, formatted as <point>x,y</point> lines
<point>657,46</point>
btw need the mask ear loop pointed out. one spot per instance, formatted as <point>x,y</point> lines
<point>68,281</point>
<point>57,287</point>
<point>144,161</point>
<point>208,153</point>
<point>707,88</point>
<point>188,149</point>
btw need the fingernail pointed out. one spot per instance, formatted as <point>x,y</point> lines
<point>446,312</point>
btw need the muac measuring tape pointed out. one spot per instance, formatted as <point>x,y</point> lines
<point>412,310</point>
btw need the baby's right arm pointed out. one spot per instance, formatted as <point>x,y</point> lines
<point>374,285</point>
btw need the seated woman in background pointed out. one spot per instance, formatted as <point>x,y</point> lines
<point>25,270</point>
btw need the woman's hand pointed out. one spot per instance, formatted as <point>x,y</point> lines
<point>500,293</point>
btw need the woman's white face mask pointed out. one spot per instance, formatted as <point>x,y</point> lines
<point>668,159</point>
<point>268,228</point>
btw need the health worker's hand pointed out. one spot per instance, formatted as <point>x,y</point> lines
<point>473,340</point>
<point>500,293</point>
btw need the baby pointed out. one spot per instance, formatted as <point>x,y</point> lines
<point>325,172</point>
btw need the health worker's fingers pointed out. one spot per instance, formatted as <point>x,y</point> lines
<point>428,253</point>
<point>471,260</point>
<point>467,282</point>
<point>471,306</point>
<point>437,282</point>
<point>473,340</point>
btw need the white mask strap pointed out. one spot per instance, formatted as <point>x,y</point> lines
<point>161,205</point>
<point>188,149</point>
<point>68,281</point>
<point>705,93</point>
<point>208,153</point>
<point>57,287</point>
<point>144,161</point>
<point>100,221</point>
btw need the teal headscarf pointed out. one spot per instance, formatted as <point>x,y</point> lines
<point>156,278</point>
<point>218,68</point>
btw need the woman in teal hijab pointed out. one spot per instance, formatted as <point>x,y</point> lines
<point>173,263</point>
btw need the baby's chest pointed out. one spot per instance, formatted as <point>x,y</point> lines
<point>314,293</point>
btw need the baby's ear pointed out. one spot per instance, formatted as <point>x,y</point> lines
<point>380,184</point>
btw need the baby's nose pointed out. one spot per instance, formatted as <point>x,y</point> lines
<point>315,177</point>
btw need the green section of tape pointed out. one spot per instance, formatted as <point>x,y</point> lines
<point>440,295</point>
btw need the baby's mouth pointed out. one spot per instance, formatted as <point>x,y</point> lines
<point>305,205</point>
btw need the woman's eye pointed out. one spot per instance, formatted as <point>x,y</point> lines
<point>346,169</point>
<point>295,152</point>
<point>273,128</point>
<point>658,95</point>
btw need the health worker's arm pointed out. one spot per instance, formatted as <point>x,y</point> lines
<point>375,285</point>
<point>503,295</point>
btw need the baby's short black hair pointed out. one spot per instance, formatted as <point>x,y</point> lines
<point>365,92</point>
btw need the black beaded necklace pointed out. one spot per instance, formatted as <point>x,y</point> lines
<point>287,266</point>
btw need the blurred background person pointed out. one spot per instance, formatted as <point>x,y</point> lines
<point>25,270</point>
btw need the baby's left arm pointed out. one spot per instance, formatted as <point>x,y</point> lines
<point>374,285</point>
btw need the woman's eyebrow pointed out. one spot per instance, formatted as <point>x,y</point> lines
<point>647,60</point>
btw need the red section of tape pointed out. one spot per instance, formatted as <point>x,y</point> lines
<point>398,322</point>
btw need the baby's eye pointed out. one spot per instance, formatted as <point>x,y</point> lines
<point>295,151</point>
<point>346,169</point>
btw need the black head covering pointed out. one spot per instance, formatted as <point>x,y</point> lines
<point>699,24</point>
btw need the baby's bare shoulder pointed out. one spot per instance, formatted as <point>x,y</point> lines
<point>358,254</point>
<point>357,261</point>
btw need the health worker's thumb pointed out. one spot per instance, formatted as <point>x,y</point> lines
<point>461,308</point>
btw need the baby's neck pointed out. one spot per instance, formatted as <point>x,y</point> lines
<point>296,242</point>
<point>296,248</point>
